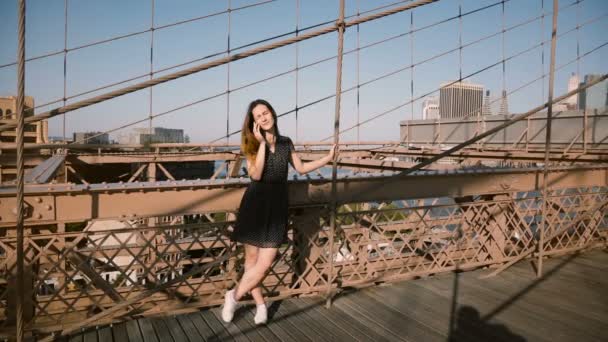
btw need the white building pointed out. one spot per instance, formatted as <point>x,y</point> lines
<point>142,135</point>
<point>430,108</point>
<point>460,99</point>
<point>572,101</point>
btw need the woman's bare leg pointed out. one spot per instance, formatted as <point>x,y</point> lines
<point>254,275</point>
<point>251,257</point>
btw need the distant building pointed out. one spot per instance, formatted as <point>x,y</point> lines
<point>59,139</point>
<point>460,99</point>
<point>572,101</point>
<point>504,104</point>
<point>595,97</point>
<point>487,108</point>
<point>92,138</point>
<point>156,135</point>
<point>430,108</point>
<point>37,132</point>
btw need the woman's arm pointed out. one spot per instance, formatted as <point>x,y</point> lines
<point>303,168</point>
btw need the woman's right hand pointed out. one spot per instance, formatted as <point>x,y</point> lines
<point>256,132</point>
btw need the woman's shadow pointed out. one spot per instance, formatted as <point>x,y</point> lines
<point>470,327</point>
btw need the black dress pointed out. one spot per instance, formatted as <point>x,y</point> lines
<point>262,217</point>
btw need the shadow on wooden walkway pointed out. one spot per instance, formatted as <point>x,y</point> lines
<point>569,303</point>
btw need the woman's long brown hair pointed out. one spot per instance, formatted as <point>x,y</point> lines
<point>249,144</point>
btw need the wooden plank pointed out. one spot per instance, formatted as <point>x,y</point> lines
<point>161,329</point>
<point>201,326</point>
<point>595,259</point>
<point>271,331</point>
<point>175,329</point>
<point>409,328</point>
<point>423,306</point>
<point>586,305</point>
<point>298,319</point>
<point>341,321</point>
<point>279,316</point>
<point>105,334</point>
<point>343,304</point>
<point>119,331</point>
<point>133,331</point>
<point>189,328</point>
<point>557,319</point>
<point>573,303</point>
<point>316,311</point>
<point>247,330</point>
<point>247,325</point>
<point>76,338</point>
<point>311,310</point>
<point>218,327</point>
<point>479,304</point>
<point>90,335</point>
<point>234,331</point>
<point>147,330</point>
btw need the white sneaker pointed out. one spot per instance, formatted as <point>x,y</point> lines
<point>229,307</point>
<point>261,314</point>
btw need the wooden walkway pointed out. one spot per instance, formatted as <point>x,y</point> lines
<point>570,303</point>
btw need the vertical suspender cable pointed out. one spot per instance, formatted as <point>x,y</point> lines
<point>150,115</point>
<point>334,169</point>
<point>542,50</point>
<point>65,79</point>
<point>20,172</point>
<point>504,82</point>
<point>407,128</point>
<point>358,76</point>
<point>65,62</point>
<point>228,75</point>
<point>297,65</point>
<point>460,42</point>
<point>545,208</point>
<point>578,39</point>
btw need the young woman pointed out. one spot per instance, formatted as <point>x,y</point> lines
<point>261,224</point>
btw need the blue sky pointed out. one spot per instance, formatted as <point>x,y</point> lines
<point>92,67</point>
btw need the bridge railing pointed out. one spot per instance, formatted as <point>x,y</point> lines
<point>76,272</point>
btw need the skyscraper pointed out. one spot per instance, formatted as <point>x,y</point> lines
<point>460,99</point>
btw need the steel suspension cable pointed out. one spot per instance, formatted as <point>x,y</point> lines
<point>205,66</point>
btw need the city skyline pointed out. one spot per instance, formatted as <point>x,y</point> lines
<point>89,68</point>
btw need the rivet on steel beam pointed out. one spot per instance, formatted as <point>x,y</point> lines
<point>38,200</point>
<point>38,216</point>
<point>49,207</point>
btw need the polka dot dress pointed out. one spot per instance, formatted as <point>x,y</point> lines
<point>262,217</point>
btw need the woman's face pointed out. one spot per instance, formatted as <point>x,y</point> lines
<point>263,117</point>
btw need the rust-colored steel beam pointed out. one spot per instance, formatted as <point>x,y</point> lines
<point>151,157</point>
<point>497,155</point>
<point>161,146</point>
<point>51,203</point>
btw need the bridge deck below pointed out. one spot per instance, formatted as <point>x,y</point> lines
<point>569,303</point>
